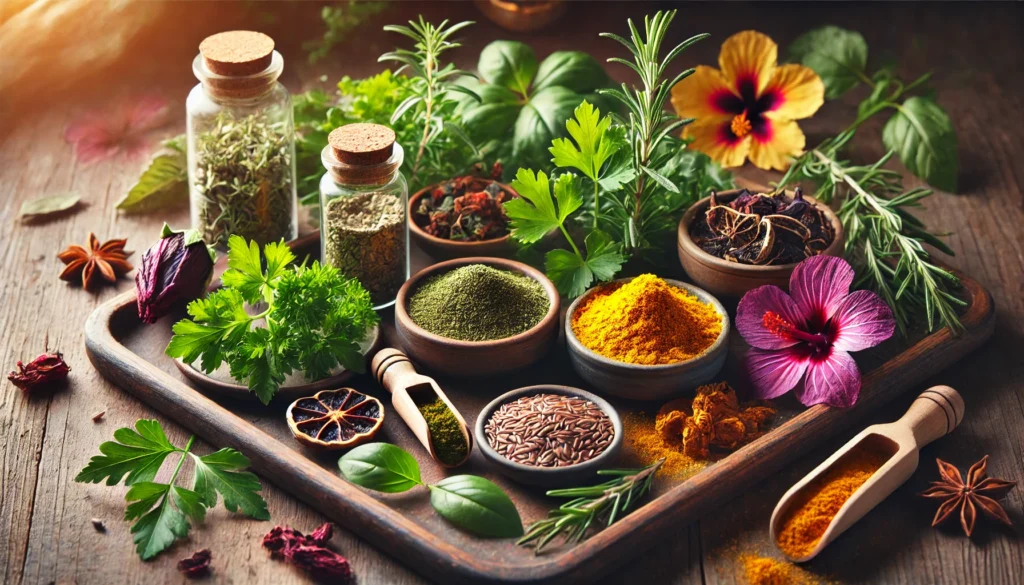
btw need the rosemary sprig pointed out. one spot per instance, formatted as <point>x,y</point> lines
<point>432,82</point>
<point>605,502</point>
<point>649,122</point>
<point>884,239</point>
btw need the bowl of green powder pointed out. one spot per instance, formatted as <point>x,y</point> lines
<point>477,316</point>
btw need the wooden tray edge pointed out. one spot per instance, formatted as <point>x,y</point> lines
<point>415,546</point>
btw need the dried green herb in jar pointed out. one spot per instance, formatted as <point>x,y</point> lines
<point>243,181</point>
<point>366,241</point>
<point>479,303</point>
<point>445,432</point>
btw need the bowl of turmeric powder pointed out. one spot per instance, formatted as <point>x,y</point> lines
<point>647,338</point>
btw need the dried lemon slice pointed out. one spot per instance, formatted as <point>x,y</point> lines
<point>335,419</point>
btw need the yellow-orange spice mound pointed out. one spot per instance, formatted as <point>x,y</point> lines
<point>648,446</point>
<point>646,321</point>
<point>767,571</point>
<point>820,501</point>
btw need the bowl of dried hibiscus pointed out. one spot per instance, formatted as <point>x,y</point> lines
<point>738,240</point>
<point>461,217</point>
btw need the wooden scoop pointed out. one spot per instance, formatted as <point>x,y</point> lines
<point>408,389</point>
<point>935,413</point>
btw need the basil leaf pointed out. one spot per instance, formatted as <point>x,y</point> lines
<point>837,55</point>
<point>574,70</point>
<point>922,135</point>
<point>510,64</point>
<point>542,120</point>
<point>381,467</point>
<point>492,117</point>
<point>476,505</point>
<point>48,205</point>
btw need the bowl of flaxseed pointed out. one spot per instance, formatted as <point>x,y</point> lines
<point>549,435</point>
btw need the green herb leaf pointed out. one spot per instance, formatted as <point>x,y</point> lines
<point>591,150</point>
<point>542,119</point>
<point>191,503</point>
<point>837,55</point>
<point>138,453</point>
<point>573,275</point>
<point>476,505</point>
<point>573,70</point>
<point>532,215</point>
<point>159,528</point>
<point>164,183</point>
<point>49,205</point>
<point>219,472</point>
<point>922,135</point>
<point>381,467</point>
<point>510,64</point>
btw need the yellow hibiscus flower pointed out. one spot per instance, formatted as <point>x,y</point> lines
<point>747,109</point>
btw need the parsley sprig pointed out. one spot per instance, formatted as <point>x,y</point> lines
<point>161,511</point>
<point>315,319</point>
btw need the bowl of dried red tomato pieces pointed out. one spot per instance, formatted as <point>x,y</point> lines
<point>462,217</point>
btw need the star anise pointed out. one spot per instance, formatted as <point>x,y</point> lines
<point>980,491</point>
<point>95,263</point>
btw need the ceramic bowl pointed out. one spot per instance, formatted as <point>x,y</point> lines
<point>641,382</point>
<point>585,472</point>
<point>443,249</point>
<point>731,279</point>
<point>458,358</point>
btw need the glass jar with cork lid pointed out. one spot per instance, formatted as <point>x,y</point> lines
<point>363,204</point>
<point>241,142</point>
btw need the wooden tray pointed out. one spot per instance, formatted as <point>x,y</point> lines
<point>130,354</point>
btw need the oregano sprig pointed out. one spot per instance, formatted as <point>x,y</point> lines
<point>162,512</point>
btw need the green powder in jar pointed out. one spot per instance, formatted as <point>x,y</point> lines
<point>479,303</point>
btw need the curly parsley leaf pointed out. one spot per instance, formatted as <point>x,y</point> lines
<point>315,320</point>
<point>161,511</point>
<point>138,453</point>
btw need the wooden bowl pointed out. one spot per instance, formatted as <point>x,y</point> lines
<point>458,358</point>
<point>642,382</point>
<point>443,249</point>
<point>585,473</point>
<point>732,279</point>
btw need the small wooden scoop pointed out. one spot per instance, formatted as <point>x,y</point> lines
<point>935,413</point>
<point>408,389</point>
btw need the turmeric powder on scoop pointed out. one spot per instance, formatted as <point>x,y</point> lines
<point>806,521</point>
<point>646,321</point>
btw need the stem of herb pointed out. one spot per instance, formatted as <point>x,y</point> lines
<point>184,455</point>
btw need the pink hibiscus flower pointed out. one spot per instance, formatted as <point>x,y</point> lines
<point>807,335</point>
<point>123,129</point>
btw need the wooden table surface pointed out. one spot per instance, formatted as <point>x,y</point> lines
<point>45,530</point>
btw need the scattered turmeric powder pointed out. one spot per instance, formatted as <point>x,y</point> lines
<point>714,418</point>
<point>648,447</point>
<point>819,502</point>
<point>646,321</point>
<point>768,571</point>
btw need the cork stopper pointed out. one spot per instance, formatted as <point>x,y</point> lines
<point>237,52</point>
<point>362,144</point>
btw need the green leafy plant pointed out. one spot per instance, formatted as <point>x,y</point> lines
<point>523,105</point>
<point>338,22</point>
<point>467,501</point>
<point>884,239</point>
<point>639,177</point>
<point>432,86</point>
<point>603,503</point>
<point>920,132</point>
<point>315,320</point>
<point>161,511</point>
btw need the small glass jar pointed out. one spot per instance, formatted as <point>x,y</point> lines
<point>241,142</point>
<point>363,206</point>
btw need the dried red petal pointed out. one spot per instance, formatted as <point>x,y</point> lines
<point>280,539</point>
<point>45,369</point>
<point>321,562</point>
<point>197,565</point>
<point>172,271</point>
<point>321,535</point>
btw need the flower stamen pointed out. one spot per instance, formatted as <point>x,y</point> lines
<point>779,326</point>
<point>740,125</point>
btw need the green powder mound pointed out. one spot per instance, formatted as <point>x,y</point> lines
<point>445,432</point>
<point>479,303</point>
